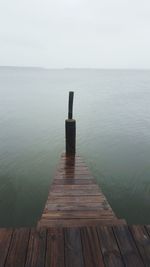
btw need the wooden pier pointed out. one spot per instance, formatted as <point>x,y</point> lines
<point>78,227</point>
<point>98,246</point>
<point>75,199</point>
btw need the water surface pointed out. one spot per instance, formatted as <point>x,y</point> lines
<point>113,136</point>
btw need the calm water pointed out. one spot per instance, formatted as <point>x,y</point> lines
<point>112,109</point>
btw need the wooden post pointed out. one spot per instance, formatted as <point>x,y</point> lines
<point>70,127</point>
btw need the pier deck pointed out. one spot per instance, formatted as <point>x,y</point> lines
<point>78,228</point>
<point>100,246</point>
<point>75,199</point>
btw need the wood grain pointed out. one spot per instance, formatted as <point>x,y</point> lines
<point>36,249</point>
<point>142,241</point>
<point>91,248</point>
<point>75,195</point>
<point>18,248</point>
<point>127,246</point>
<point>5,239</point>
<point>55,248</point>
<point>73,248</point>
<point>109,247</point>
<point>94,246</point>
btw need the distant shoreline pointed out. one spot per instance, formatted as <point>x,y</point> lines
<point>68,69</point>
<point>21,68</point>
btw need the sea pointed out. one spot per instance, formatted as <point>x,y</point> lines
<point>112,112</point>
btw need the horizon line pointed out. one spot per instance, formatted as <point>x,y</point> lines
<point>74,68</point>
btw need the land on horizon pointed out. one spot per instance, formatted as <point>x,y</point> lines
<point>69,68</point>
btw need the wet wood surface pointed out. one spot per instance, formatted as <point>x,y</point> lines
<point>75,198</point>
<point>96,246</point>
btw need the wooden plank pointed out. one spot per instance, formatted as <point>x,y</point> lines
<point>78,222</point>
<point>74,181</point>
<point>55,248</point>
<point>71,163</point>
<point>127,247</point>
<point>75,193</point>
<point>78,214</point>
<point>109,247</point>
<point>91,248</point>
<point>36,249</point>
<point>72,167</point>
<point>69,176</point>
<point>72,170</point>
<point>73,248</point>
<point>75,206</point>
<point>142,241</point>
<point>76,199</point>
<point>73,176</point>
<point>75,187</point>
<point>5,239</point>
<point>18,248</point>
<point>69,191</point>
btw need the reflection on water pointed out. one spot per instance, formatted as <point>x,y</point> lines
<point>113,125</point>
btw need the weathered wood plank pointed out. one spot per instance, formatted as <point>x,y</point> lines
<point>75,193</point>
<point>91,247</point>
<point>5,239</point>
<point>73,248</point>
<point>75,199</point>
<point>18,248</point>
<point>75,206</point>
<point>127,247</point>
<point>72,167</point>
<point>142,241</point>
<point>84,187</point>
<point>55,248</point>
<point>109,247</point>
<point>74,181</point>
<point>79,222</point>
<point>78,214</point>
<point>69,170</point>
<point>36,249</point>
<point>73,176</point>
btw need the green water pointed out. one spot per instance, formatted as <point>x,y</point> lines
<point>113,136</point>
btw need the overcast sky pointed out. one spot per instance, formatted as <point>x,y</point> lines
<point>75,33</point>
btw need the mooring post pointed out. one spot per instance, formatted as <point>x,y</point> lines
<point>70,127</point>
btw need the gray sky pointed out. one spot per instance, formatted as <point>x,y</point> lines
<point>75,33</point>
